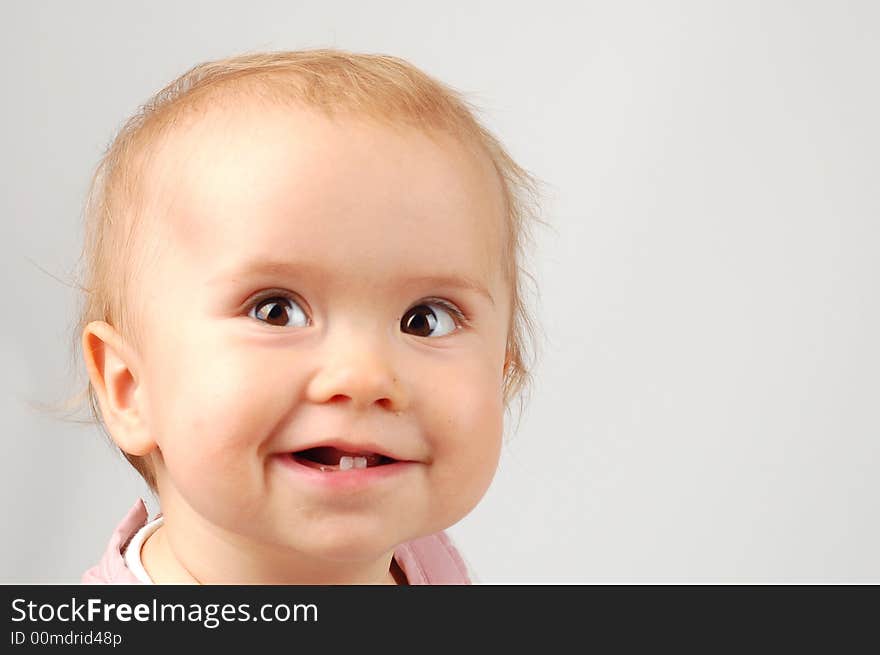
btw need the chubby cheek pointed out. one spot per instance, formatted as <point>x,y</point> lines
<point>213,409</point>
<point>467,428</point>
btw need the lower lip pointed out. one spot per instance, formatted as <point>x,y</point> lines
<point>349,479</point>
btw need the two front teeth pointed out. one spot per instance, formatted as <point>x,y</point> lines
<point>330,459</point>
<point>346,463</point>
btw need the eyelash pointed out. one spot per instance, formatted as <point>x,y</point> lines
<point>460,317</point>
<point>455,311</point>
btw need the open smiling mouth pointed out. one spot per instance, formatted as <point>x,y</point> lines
<point>329,459</point>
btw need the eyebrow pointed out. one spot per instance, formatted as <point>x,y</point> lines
<point>294,269</point>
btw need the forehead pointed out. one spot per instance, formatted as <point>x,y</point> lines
<point>347,193</point>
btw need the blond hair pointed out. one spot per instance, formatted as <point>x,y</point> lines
<point>381,87</point>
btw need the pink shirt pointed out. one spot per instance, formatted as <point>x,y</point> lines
<point>426,560</point>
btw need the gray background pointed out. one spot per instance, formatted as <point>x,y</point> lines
<point>705,406</point>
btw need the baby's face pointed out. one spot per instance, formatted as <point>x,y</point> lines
<point>304,305</point>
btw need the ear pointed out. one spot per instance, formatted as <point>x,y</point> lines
<point>113,369</point>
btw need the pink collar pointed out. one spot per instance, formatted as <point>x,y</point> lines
<point>431,560</point>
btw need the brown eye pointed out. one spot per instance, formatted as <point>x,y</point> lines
<point>278,311</point>
<point>422,319</point>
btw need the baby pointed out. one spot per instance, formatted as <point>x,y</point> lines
<point>304,321</point>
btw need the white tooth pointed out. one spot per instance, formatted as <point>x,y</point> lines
<point>345,463</point>
<point>360,462</point>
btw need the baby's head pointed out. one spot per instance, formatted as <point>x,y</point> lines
<point>298,263</point>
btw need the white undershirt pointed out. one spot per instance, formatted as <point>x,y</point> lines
<point>132,553</point>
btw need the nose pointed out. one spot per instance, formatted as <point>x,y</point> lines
<point>357,369</point>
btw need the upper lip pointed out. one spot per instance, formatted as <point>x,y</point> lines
<point>356,446</point>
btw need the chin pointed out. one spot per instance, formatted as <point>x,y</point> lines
<point>349,543</point>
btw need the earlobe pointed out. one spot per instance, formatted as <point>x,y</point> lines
<point>113,371</point>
